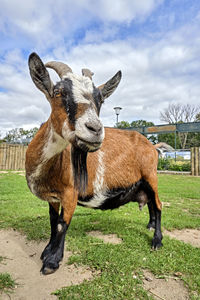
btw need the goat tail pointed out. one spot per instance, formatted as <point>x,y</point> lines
<point>163,147</point>
<point>159,149</point>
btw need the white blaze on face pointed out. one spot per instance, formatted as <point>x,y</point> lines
<point>99,185</point>
<point>80,85</point>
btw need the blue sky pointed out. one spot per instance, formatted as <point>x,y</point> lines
<point>155,43</point>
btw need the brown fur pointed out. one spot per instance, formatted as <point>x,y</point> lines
<point>128,157</point>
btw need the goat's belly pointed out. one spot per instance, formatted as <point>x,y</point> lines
<point>92,201</point>
<point>110,199</point>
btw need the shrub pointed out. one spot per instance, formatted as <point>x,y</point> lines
<point>171,165</point>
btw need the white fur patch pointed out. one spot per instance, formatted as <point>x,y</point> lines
<point>59,228</point>
<point>55,144</point>
<point>81,85</point>
<point>99,185</point>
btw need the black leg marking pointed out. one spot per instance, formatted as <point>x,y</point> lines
<point>53,222</point>
<point>157,238</point>
<point>152,219</point>
<point>155,217</point>
<point>54,254</point>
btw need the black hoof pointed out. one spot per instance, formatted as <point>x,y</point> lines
<point>156,243</point>
<point>49,268</point>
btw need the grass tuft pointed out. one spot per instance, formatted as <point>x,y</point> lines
<point>6,283</point>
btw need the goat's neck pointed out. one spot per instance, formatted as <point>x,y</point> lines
<point>44,150</point>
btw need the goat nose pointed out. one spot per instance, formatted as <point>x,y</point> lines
<point>94,128</point>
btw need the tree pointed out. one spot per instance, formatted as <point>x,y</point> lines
<point>180,113</point>
<point>141,123</point>
<point>123,124</point>
<point>136,124</point>
<point>18,135</point>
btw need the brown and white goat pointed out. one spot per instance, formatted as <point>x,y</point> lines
<point>64,168</point>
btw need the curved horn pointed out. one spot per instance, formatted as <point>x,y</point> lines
<point>87,73</point>
<point>60,68</point>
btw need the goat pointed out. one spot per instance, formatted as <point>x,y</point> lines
<point>74,160</point>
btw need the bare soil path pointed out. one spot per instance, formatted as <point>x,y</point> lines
<point>22,262</point>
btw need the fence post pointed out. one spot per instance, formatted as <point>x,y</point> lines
<point>12,157</point>
<point>195,164</point>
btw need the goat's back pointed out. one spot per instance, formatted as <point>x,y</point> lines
<point>124,158</point>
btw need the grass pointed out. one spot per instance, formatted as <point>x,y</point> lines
<point>120,266</point>
<point>6,283</point>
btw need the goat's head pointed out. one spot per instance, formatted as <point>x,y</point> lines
<point>75,102</point>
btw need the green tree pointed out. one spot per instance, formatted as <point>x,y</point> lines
<point>169,138</point>
<point>123,124</point>
<point>141,123</point>
<point>17,135</point>
<point>136,124</point>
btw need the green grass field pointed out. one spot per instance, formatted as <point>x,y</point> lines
<point>117,263</point>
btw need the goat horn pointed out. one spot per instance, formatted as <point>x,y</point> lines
<point>60,68</point>
<point>87,73</point>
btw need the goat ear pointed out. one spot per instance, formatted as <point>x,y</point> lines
<point>40,75</point>
<point>109,87</point>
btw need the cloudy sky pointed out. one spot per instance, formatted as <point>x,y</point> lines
<point>155,43</point>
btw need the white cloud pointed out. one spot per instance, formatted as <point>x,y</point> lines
<point>157,69</point>
<point>122,10</point>
<point>46,23</point>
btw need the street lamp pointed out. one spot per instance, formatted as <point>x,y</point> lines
<point>117,112</point>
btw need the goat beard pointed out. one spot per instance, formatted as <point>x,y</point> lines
<point>79,166</point>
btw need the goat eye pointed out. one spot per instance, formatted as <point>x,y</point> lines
<point>57,93</point>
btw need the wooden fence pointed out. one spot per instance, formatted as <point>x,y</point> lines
<point>195,161</point>
<point>12,157</point>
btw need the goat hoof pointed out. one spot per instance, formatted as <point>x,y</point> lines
<point>49,268</point>
<point>156,243</point>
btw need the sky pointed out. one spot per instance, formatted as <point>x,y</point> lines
<point>155,43</point>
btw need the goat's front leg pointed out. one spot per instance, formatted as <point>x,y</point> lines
<point>53,215</point>
<point>54,253</point>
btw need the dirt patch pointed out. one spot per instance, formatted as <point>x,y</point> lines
<point>166,289</point>
<point>191,236</point>
<point>166,204</point>
<point>22,173</point>
<point>107,238</point>
<point>22,262</point>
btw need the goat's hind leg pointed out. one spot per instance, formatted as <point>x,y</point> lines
<point>152,218</point>
<point>157,238</point>
<point>155,207</point>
